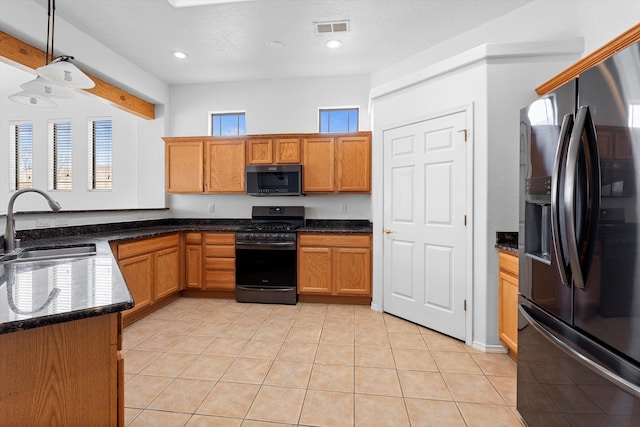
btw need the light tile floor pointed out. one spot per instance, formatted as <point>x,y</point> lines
<point>212,362</point>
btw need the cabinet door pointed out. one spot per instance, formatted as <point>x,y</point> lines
<point>287,150</point>
<point>318,171</point>
<point>314,270</point>
<point>353,164</point>
<point>193,266</point>
<point>259,151</point>
<point>184,166</point>
<point>508,310</point>
<point>352,271</point>
<point>167,272</point>
<point>225,166</point>
<point>138,273</point>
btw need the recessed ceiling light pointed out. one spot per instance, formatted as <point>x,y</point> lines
<point>180,54</point>
<point>333,44</point>
<point>276,44</point>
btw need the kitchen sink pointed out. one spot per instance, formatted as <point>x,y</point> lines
<point>40,254</point>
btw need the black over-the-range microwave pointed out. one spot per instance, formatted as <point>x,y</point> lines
<point>274,180</point>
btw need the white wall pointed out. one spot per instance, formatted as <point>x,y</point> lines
<point>497,88</point>
<point>272,106</point>
<point>138,160</point>
<point>596,21</point>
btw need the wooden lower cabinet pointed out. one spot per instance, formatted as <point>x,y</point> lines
<point>152,269</point>
<point>66,374</point>
<point>220,261</point>
<point>193,266</point>
<point>210,261</point>
<point>508,301</point>
<point>334,264</point>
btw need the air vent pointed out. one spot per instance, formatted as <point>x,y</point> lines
<point>332,27</point>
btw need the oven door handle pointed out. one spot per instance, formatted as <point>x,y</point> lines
<point>266,245</point>
<point>265,288</point>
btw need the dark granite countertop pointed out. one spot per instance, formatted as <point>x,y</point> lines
<point>507,241</point>
<point>39,293</point>
<point>337,226</point>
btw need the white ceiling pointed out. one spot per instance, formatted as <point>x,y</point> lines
<point>231,41</point>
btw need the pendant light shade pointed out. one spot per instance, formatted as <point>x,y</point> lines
<point>43,87</point>
<point>63,72</point>
<point>54,77</point>
<point>32,99</point>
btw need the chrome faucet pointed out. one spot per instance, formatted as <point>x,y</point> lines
<point>10,230</point>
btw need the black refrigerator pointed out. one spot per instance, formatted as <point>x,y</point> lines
<point>579,250</point>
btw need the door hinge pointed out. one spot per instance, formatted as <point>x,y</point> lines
<point>465,305</point>
<point>465,134</point>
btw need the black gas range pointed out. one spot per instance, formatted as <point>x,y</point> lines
<point>266,255</point>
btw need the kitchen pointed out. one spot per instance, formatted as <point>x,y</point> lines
<point>493,195</point>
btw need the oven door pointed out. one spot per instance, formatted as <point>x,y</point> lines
<point>266,272</point>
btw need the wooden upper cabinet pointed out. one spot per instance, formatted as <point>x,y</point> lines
<point>353,164</point>
<point>267,151</point>
<point>225,166</point>
<point>287,150</point>
<point>340,164</point>
<point>205,164</point>
<point>318,167</point>
<point>184,166</point>
<point>260,151</point>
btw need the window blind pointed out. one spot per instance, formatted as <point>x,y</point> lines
<point>100,155</point>
<point>60,156</point>
<point>22,156</point>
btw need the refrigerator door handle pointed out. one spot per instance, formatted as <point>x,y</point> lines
<point>583,124</point>
<point>556,182</point>
<point>624,384</point>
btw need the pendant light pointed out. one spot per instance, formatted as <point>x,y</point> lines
<point>44,87</point>
<point>32,99</point>
<point>60,70</point>
<point>55,77</point>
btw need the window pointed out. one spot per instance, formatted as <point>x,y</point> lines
<point>60,148</point>
<point>226,124</point>
<point>100,154</point>
<point>20,162</point>
<point>339,120</point>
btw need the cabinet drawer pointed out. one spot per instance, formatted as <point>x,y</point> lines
<point>335,240</point>
<point>220,238</point>
<point>220,279</point>
<point>508,263</point>
<point>220,264</point>
<point>193,238</point>
<point>220,251</point>
<point>138,247</point>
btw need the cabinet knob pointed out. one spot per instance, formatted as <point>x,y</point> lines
<point>387,230</point>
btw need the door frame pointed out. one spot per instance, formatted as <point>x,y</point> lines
<point>377,302</point>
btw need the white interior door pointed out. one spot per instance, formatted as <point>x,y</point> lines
<point>424,218</point>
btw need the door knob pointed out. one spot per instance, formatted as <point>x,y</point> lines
<point>387,230</point>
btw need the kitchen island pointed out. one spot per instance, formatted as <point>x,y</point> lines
<point>61,323</point>
<point>60,341</point>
